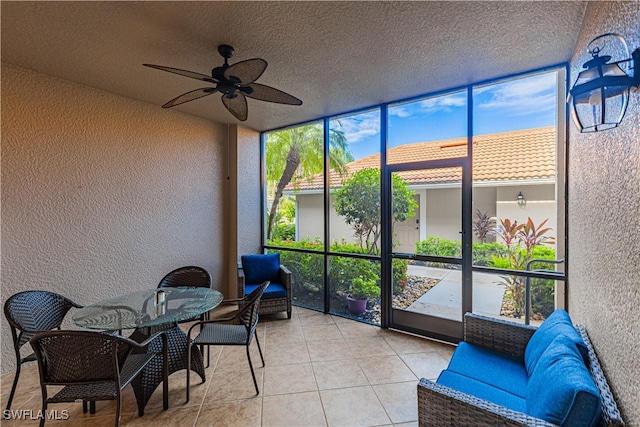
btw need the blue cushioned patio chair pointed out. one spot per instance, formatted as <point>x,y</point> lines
<point>256,269</point>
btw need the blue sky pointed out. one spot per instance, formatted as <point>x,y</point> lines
<point>517,104</point>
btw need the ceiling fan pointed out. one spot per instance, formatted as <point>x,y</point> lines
<point>235,82</point>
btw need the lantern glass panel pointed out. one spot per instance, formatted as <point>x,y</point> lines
<point>588,111</point>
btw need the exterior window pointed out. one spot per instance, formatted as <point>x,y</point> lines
<point>517,216</point>
<point>469,181</point>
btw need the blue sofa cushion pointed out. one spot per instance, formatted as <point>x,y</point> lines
<point>481,390</point>
<point>558,323</point>
<point>274,290</point>
<point>490,367</point>
<point>260,268</point>
<point>561,389</point>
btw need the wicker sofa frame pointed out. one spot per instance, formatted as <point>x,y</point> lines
<point>442,405</point>
<point>270,305</point>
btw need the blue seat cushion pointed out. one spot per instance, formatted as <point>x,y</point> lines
<point>561,389</point>
<point>558,323</point>
<point>274,290</point>
<point>260,268</point>
<point>482,390</point>
<point>490,367</point>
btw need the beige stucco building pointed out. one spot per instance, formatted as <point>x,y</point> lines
<point>531,170</point>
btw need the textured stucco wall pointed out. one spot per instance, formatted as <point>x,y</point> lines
<point>604,224</point>
<point>249,190</point>
<point>245,207</point>
<point>102,194</point>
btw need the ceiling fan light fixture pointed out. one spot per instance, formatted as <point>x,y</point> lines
<point>235,82</point>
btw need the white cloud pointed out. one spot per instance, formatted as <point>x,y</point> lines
<point>521,96</point>
<point>360,126</point>
<point>515,97</point>
<point>444,102</point>
<point>430,105</point>
<point>400,111</point>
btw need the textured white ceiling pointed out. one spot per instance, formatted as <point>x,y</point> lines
<point>335,56</point>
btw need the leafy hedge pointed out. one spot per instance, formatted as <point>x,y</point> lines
<point>308,268</point>
<point>438,246</point>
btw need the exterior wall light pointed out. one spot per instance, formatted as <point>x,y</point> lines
<point>600,95</point>
<point>522,202</point>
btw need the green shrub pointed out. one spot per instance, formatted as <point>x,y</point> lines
<point>344,270</point>
<point>483,253</point>
<point>364,288</point>
<point>438,246</point>
<point>284,231</point>
<point>307,268</point>
<point>399,274</point>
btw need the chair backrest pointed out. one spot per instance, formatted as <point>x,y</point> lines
<point>249,313</point>
<point>192,276</point>
<point>75,356</point>
<point>33,311</point>
<point>261,268</point>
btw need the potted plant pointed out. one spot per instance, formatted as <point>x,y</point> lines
<point>360,291</point>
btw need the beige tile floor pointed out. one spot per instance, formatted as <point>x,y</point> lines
<point>321,370</point>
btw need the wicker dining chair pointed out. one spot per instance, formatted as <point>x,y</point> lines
<point>92,366</point>
<point>236,330</point>
<point>188,276</point>
<point>192,276</point>
<point>30,312</point>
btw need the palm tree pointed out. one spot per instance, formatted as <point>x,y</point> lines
<point>298,153</point>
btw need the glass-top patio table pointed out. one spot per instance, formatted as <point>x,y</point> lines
<point>148,312</point>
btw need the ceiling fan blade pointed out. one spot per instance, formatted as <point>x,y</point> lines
<point>185,73</point>
<point>270,94</point>
<point>236,105</point>
<point>190,96</point>
<point>245,72</point>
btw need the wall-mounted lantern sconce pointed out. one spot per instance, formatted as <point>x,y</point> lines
<point>522,202</point>
<point>600,95</point>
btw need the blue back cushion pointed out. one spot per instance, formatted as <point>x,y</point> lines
<point>260,268</point>
<point>558,323</point>
<point>561,389</point>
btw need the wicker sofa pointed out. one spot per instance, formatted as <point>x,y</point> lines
<point>495,357</point>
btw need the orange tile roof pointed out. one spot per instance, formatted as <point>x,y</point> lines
<point>517,155</point>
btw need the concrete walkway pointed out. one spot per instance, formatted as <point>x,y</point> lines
<point>445,298</point>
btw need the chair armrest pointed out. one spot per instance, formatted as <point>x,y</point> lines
<point>497,334</point>
<point>149,340</point>
<point>232,300</point>
<point>285,278</point>
<point>610,412</point>
<point>442,405</point>
<point>204,322</point>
